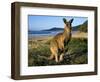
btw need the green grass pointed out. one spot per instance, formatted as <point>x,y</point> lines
<point>76,54</point>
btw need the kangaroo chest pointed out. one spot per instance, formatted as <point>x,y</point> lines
<point>67,38</point>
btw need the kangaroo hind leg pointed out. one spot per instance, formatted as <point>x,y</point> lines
<point>54,52</point>
<point>62,55</point>
<point>56,57</point>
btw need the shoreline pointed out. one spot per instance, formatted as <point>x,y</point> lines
<point>40,38</point>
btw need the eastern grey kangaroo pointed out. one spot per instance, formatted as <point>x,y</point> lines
<point>57,44</point>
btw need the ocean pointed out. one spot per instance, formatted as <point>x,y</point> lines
<point>44,33</point>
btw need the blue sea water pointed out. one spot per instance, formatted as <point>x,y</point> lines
<point>43,33</point>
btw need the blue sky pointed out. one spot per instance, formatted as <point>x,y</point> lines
<point>36,22</point>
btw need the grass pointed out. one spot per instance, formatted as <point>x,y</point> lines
<point>38,52</point>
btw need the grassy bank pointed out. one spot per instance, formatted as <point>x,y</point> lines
<point>38,52</point>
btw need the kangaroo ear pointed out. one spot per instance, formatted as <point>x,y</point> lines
<point>71,20</point>
<point>64,20</point>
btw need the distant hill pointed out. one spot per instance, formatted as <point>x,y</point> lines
<point>84,27</point>
<point>75,28</point>
<point>54,29</point>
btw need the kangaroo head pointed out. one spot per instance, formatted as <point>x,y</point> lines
<point>68,23</point>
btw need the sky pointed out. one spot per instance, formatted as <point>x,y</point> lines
<point>36,22</point>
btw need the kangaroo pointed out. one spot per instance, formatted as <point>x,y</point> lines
<point>57,44</point>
